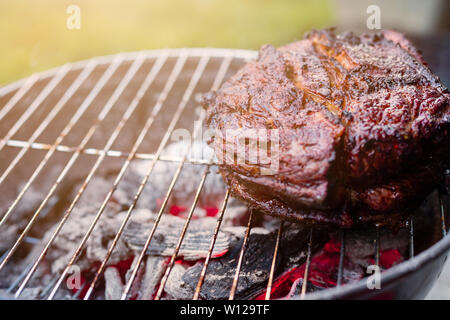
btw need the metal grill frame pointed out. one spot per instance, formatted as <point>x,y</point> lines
<point>137,58</point>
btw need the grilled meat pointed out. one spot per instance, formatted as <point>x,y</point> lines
<point>361,126</point>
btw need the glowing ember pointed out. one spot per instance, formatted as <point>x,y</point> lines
<point>177,210</point>
<point>323,270</point>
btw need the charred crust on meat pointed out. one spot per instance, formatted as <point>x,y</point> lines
<point>361,118</point>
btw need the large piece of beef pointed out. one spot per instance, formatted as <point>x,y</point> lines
<point>361,124</point>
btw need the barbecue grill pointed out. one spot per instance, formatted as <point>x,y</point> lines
<point>53,119</point>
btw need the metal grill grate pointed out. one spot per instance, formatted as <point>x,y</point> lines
<point>159,60</point>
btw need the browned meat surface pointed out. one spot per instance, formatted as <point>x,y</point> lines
<point>362,124</point>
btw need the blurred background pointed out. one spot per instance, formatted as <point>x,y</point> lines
<point>34,34</point>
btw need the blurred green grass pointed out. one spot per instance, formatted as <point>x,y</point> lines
<point>34,36</point>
